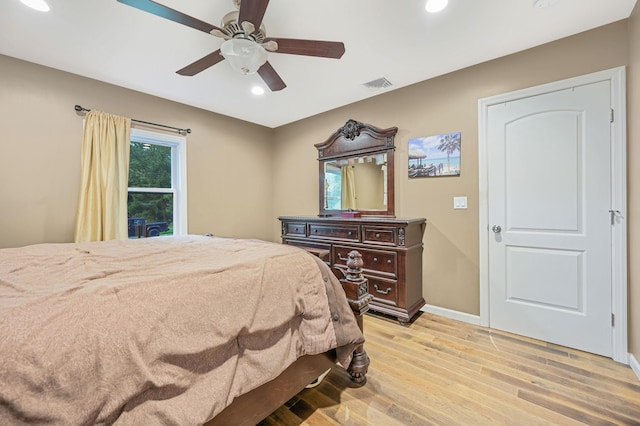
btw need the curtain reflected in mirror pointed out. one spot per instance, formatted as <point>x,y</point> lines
<point>357,183</point>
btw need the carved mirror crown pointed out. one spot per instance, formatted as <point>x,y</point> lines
<point>356,170</point>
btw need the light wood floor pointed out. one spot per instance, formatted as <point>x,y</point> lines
<point>444,372</point>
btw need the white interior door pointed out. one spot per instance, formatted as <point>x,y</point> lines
<point>549,201</point>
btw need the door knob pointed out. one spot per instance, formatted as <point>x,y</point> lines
<point>496,228</point>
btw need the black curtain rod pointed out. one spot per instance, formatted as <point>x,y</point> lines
<point>177,129</point>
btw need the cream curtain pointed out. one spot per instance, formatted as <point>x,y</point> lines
<point>348,185</point>
<point>102,209</point>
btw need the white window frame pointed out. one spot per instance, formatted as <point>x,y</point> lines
<point>178,145</point>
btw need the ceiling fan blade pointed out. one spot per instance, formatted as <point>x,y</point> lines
<point>201,64</point>
<point>271,77</point>
<point>252,11</point>
<point>325,49</point>
<point>157,9</point>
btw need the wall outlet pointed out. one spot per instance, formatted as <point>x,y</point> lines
<point>459,202</point>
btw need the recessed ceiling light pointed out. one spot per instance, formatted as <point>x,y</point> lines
<point>540,4</point>
<point>257,90</point>
<point>434,6</point>
<point>39,5</point>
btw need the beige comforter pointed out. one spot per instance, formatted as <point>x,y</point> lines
<point>163,330</point>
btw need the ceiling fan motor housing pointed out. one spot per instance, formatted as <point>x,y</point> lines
<point>233,29</point>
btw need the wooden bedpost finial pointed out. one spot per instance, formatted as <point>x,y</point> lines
<point>356,286</point>
<point>354,266</point>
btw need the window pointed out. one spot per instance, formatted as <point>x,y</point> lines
<point>333,187</point>
<point>157,202</point>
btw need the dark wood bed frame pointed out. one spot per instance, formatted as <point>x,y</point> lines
<point>252,407</point>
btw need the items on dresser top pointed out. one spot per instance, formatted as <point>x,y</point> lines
<point>391,251</point>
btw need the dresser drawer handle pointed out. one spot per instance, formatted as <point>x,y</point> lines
<point>389,261</point>
<point>295,229</point>
<point>375,259</point>
<point>377,235</point>
<point>315,230</point>
<point>387,291</point>
<point>350,233</point>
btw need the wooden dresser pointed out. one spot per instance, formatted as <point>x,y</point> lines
<point>391,250</point>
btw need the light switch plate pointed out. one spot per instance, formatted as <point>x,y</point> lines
<point>459,202</point>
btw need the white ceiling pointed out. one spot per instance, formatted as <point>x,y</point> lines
<point>395,39</point>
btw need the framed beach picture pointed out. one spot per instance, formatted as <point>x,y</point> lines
<point>435,155</point>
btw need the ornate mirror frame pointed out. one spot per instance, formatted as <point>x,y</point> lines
<point>353,140</point>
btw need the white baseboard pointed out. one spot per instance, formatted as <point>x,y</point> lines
<point>635,365</point>
<point>449,313</point>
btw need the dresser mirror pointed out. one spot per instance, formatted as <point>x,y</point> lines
<point>356,171</point>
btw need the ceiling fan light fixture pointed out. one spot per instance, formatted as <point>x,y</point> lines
<point>435,6</point>
<point>245,56</point>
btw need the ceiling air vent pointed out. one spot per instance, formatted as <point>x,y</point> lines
<point>379,84</point>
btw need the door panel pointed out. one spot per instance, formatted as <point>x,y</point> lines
<point>549,179</point>
<point>542,165</point>
<point>548,278</point>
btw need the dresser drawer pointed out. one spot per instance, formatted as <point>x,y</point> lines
<point>295,228</point>
<point>377,261</point>
<point>384,235</point>
<point>335,232</point>
<point>317,249</point>
<point>385,291</point>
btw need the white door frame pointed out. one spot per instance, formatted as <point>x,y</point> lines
<point>616,77</point>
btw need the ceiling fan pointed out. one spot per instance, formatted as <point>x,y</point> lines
<point>245,42</point>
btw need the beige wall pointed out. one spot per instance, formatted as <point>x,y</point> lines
<point>229,161</point>
<point>633,189</point>
<point>440,105</point>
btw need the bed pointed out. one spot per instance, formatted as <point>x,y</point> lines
<point>169,330</point>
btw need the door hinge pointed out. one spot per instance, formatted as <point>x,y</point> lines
<point>612,115</point>
<point>613,320</point>
<point>614,214</point>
